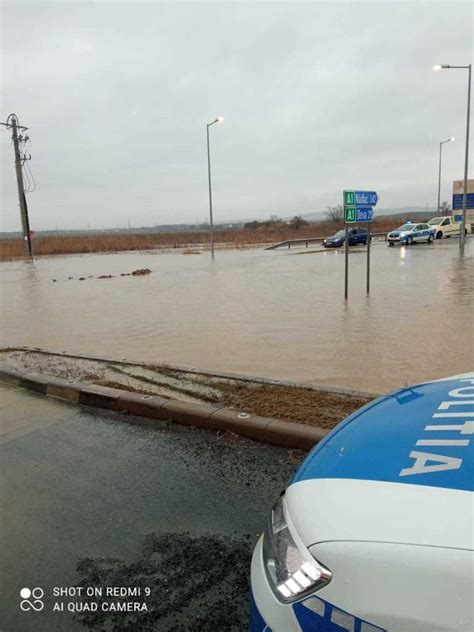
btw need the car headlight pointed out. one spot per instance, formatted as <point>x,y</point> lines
<point>291,571</point>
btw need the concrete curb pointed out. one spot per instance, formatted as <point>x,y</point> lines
<point>10,375</point>
<point>275,431</point>
<point>63,389</point>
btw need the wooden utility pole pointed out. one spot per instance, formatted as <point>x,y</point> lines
<point>12,122</point>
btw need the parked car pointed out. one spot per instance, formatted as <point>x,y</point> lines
<point>356,236</point>
<point>374,531</point>
<point>447,226</point>
<point>410,233</point>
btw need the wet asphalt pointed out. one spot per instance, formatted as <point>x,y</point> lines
<point>92,500</point>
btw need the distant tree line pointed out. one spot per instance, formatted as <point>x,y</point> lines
<point>335,213</point>
<point>297,222</point>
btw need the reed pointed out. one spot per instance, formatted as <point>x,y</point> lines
<point>231,238</point>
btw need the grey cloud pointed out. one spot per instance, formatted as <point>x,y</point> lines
<point>316,97</point>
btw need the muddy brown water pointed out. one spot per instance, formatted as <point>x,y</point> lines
<point>276,314</point>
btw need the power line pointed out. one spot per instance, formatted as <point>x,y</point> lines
<point>32,177</point>
<point>25,174</point>
<point>31,186</point>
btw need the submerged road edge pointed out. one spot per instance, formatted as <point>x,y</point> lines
<point>279,432</point>
<point>319,388</point>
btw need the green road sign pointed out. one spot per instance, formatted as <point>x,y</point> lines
<point>349,214</point>
<point>349,198</point>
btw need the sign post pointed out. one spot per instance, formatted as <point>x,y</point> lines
<point>357,208</point>
<point>346,263</point>
<point>369,238</point>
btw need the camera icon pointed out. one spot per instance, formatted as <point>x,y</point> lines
<point>32,599</point>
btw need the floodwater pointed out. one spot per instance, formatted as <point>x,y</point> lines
<point>276,314</point>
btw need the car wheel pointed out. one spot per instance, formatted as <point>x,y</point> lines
<point>390,243</point>
<point>409,240</point>
<point>430,239</point>
<point>465,231</point>
<point>439,235</point>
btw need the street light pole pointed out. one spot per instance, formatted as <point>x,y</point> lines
<point>462,236</point>
<point>466,163</point>
<point>448,140</point>
<point>219,119</point>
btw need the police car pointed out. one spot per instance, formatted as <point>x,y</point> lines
<point>410,233</point>
<point>375,530</point>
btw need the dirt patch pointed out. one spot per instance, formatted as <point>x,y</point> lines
<point>305,406</point>
<point>191,251</point>
<point>123,387</point>
<point>300,405</point>
<point>141,272</point>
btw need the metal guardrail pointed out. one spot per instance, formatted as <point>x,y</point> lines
<point>308,240</point>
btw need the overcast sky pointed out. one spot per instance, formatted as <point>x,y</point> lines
<point>317,97</point>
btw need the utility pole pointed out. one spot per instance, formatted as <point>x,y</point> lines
<point>12,122</point>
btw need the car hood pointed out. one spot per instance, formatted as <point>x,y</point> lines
<point>331,510</point>
<point>400,469</point>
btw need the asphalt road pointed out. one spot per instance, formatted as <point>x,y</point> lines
<point>93,500</point>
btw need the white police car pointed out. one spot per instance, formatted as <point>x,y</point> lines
<point>409,233</point>
<point>375,530</point>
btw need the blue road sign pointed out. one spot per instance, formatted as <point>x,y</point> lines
<point>364,214</point>
<point>457,201</point>
<point>365,198</point>
<point>358,206</point>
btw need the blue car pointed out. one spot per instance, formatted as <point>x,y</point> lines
<point>356,236</point>
<point>374,532</point>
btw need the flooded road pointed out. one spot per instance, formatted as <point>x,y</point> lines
<point>277,314</point>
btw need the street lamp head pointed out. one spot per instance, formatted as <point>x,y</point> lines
<point>452,139</point>
<point>218,119</point>
<point>438,67</point>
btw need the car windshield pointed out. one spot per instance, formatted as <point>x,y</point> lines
<point>340,233</point>
<point>435,221</point>
<point>406,227</point>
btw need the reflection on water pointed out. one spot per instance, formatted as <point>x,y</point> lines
<point>275,314</point>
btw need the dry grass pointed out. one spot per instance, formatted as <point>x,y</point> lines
<point>239,238</point>
<point>306,406</point>
<point>289,403</point>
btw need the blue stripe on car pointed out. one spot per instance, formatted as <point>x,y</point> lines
<point>257,622</point>
<point>423,435</point>
<point>315,614</point>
